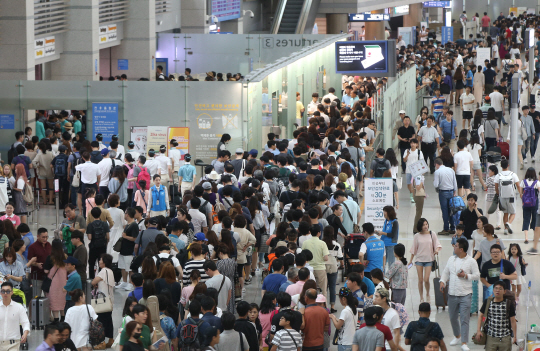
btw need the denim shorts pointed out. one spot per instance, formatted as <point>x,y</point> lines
<point>424,264</point>
<point>409,178</point>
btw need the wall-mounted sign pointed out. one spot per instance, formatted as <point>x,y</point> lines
<point>368,17</point>
<point>401,10</point>
<point>44,47</point>
<point>105,120</point>
<point>226,10</point>
<point>107,33</point>
<point>445,4</point>
<point>362,57</point>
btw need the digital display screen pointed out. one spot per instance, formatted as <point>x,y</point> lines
<point>362,57</point>
<point>368,17</point>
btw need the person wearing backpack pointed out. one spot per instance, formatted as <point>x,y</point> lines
<point>419,332</point>
<point>505,187</point>
<point>165,256</point>
<point>190,333</point>
<point>98,235</point>
<point>60,168</point>
<point>379,165</point>
<point>528,191</point>
<point>95,154</point>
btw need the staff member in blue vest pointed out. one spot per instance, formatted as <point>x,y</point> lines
<point>390,233</point>
<point>159,199</point>
<point>372,252</point>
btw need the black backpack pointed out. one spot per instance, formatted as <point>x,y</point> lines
<point>60,166</point>
<point>11,153</point>
<point>188,335</point>
<point>95,157</point>
<point>99,237</point>
<point>420,337</point>
<point>160,260</point>
<point>202,209</point>
<point>380,168</point>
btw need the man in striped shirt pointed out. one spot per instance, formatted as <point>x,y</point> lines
<point>437,104</point>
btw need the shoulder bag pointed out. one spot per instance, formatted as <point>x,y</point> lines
<point>46,285</point>
<point>356,227</point>
<point>483,338</point>
<point>102,303</point>
<point>96,331</point>
<point>435,262</point>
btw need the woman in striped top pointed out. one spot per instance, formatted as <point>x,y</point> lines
<point>196,262</point>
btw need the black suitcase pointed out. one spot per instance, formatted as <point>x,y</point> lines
<point>441,298</point>
<point>176,198</point>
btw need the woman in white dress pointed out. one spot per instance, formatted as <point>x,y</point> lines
<point>479,85</point>
<point>119,223</point>
<point>78,317</point>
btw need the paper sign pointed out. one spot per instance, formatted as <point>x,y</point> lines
<point>378,194</point>
<point>418,168</point>
<point>138,136</point>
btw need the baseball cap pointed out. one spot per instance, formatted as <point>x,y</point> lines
<point>207,186</point>
<point>99,136</point>
<point>62,148</point>
<point>200,237</point>
<point>487,98</point>
<point>253,152</point>
<point>104,152</point>
<point>320,299</point>
<point>114,137</point>
<point>71,260</point>
<point>187,157</point>
<point>153,220</point>
<point>239,150</point>
<point>402,111</point>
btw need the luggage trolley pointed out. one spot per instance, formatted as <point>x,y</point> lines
<point>351,251</point>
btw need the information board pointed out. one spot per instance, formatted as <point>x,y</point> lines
<point>138,136</point>
<point>445,4</point>
<point>226,10</point>
<point>378,193</point>
<point>105,120</point>
<point>156,136</point>
<point>7,121</point>
<point>368,17</point>
<point>362,57</point>
<point>447,34</point>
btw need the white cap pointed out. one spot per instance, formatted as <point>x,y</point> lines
<point>402,111</point>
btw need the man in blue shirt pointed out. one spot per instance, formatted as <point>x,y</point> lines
<point>433,328</point>
<point>186,175</point>
<point>273,281</point>
<point>372,250</point>
<point>194,311</point>
<point>137,281</point>
<point>73,281</point>
<point>359,268</point>
<point>448,126</point>
<point>469,77</point>
<point>51,337</point>
<point>207,306</point>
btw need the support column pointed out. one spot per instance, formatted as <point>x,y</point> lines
<point>236,26</point>
<point>414,17</point>
<point>139,43</point>
<point>193,18</point>
<point>375,30</point>
<point>17,40</point>
<point>80,59</point>
<point>337,23</point>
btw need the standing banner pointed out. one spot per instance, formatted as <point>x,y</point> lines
<point>483,54</point>
<point>155,137</point>
<point>181,134</point>
<point>138,136</point>
<point>447,34</point>
<point>378,193</point>
<point>105,120</point>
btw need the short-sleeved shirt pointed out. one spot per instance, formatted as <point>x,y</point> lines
<point>319,249</point>
<point>284,340</point>
<point>448,127</point>
<point>215,282</point>
<point>465,99</point>
<point>498,325</point>
<point>391,320</point>
<point>145,237</point>
<point>422,322</point>
<point>77,222</point>
<point>405,133</point>
<point>428,134</point>
<point>273,282</point>
<point>485,249</point>
<point>296,324</point>
<point>463,160</point>
<point>491,271</point>
<point>317,320</point>
<point>469,219</point>
<point>368,338</point>
<point>187,172</point>
<point>438,103</point>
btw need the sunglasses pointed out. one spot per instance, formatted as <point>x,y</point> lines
<point>6,292</point>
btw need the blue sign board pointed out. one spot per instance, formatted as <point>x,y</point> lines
<point>368,17</point>
<point>7,121</point>
<point>226,10</point>
<point>105,120</point>
<point>445,4</point>
<point>447,34</point>
<point>123,65</point>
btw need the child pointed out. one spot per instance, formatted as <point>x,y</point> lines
<point>411,156</point>
<point>90,199</point>
<point>285,335</point>
<point>142,195</point>
<point>253,316</point>
<point>398,275</point>
<point>460,228</point>
<point>516,257</point>
<point>490,184</point>
<point>377,277</point>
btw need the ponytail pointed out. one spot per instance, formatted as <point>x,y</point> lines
<point>399,250</point>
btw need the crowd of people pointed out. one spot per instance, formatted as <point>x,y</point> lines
<point>185,251</point>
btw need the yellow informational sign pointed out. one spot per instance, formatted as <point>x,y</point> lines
<point>181,135</point>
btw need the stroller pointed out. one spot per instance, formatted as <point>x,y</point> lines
<point>352,250</point>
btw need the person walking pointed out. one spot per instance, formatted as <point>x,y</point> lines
<point>12,317</point>
<point>506,183</point>
<point>346,323</point>
<point>316,321</point>
<point>98,234</point>
<point>220,282</point>
<point>460,272</point>
<point>332,265</point>
<point>186,175</point>
<point>445,184</point>
<point>104,283</point>
<point>425,246</point>
<point>429,141</point>
<point>78,317</point>
<point>397,275</point>
<point>90,176</point>
<point>118,217</point>
<point>528,191</point>
<point>320,252</point>
<point>158,203</point>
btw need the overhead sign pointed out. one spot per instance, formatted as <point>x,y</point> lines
<point>401,10</point>
<point>107,33</point>
<point>445,4</point>
<point>378,194</point>
<point>105,120</point>
<point>368,17</point>
<point>44,47</point>
<point>226,10</point>
<point>362,57</point>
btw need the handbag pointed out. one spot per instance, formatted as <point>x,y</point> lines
<point>435,262</point>
<point>356,227</point>
<point>118,245</point>
<point>46,285</point>
<point>483,338</point>
<point>102,304</point>
<point>96,331</point>
<point>28,194</point>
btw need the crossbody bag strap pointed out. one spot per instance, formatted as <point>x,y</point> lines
<point>241,341</point>
<point>295,344</point>
<point>221,286</point>
<point>349,212</point>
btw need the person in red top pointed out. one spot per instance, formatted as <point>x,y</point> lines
<point>40,250</point>
<point>317,321</point>
<point>485,23</point>
<point>388,337</point>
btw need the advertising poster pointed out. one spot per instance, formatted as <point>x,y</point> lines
<point>155,137</point>
<point>378,193</point>
<point>181,134</point>
<point>362,57</point>
<point>105,120</point>
<point>138,136</point>
<point>210,119</point>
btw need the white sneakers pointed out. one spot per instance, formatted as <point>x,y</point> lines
<point>121,285</point>
<point>455,341</point>
<point>464,347</point>
<point>126,286</point>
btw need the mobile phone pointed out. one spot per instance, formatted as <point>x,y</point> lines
<point>410,266</point>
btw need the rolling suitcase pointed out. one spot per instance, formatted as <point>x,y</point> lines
<point>39,308</point>
<point>176,198</point>
<point>505,149</point>
<point>441,298</point>
<point>87,288</point>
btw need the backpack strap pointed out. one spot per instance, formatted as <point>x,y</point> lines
<point>242,341</point>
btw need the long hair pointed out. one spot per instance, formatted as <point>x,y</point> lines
<point>212,238</point>
<point>226,239</point>
<point>309,284</point>
<point>200,288</point>
<point>390,155</point>
<point>267,303</point>
<point>378,274</point>
<point>130,327</point>
<point>149,270</point>
<point>118,172</point>
<point>10,231</point>
<point>328,237</point>
<point>20,172</point>
<point>57,253</point>
<point>166,271</point>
